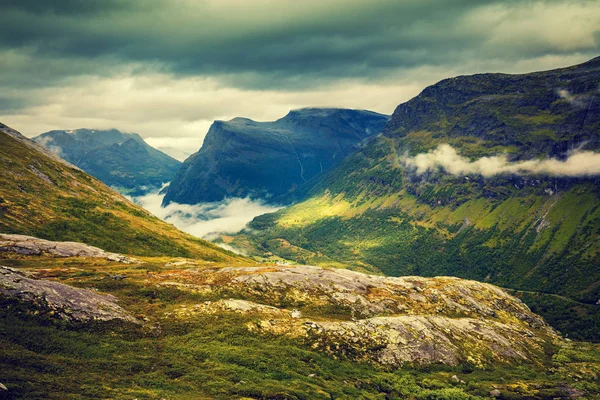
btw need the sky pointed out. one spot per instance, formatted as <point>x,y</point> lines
<point>167,68</point>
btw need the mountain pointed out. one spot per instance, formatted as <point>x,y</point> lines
<point>44,196</point>
<point>184,319</point>
<point>121,160</point>
<point>457,185</point>
<point>269,160</point>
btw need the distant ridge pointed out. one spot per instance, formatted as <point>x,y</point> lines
<point>121,160</point>
<point>269,160</point>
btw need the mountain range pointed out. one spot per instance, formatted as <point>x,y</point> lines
<point>485,177</point>
<point>43,195</point>
<point>269,160</point>
<point>121,160</point>
<point>498,186</point>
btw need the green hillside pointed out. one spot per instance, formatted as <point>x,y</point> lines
<point>533,233</point>
<point>43,196</point>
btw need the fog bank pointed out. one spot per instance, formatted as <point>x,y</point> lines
<point>577,164</point>
<point>206,220</point>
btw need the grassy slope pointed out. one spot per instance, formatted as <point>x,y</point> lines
<point>517,238</point>
<point>537,234</point>
<point>215,356</point>
<point>42,197</point>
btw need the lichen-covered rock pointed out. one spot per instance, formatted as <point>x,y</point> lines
<point>28,245</point>
<point>59,300</point>
<point>231,305</point>
<point>371,295</point>
<point>418,339</point>
<point>385,320</point>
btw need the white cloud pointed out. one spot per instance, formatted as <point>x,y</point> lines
<point>48,143</point>
<point>578,164</point>
<point>576,101</point>
<point>206,220</point>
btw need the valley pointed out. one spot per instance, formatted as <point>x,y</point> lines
<point>533,232</point>
<point>450,251</point>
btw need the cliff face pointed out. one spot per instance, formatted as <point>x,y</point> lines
<point>268,160</point>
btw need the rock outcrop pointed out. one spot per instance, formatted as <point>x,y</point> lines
<point>28,245</point>
<point>385,320</point>
<point>57,300</point>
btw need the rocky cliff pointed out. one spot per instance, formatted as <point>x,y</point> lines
<point>269,160</point>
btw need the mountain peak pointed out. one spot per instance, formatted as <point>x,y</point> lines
<point>242,157</point>
<point>122,160</point>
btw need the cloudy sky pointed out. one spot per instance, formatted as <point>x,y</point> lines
<point>167,68</point>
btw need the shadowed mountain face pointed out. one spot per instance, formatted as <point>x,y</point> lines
<point>537,232</point>
<point>269,160</point>
<point>121,160</point>
<point>538,114</point>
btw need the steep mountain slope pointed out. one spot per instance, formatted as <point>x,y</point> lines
<point>390,207</point>
<point>44,196</point>
<point>121,160</point>
<point>268,160</point>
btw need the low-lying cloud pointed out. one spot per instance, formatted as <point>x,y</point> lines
<point>445,157</point>
<point>206,220</point>
<point>579,101</point>
<point>48,143</point>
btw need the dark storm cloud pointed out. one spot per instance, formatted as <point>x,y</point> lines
<point>68,7</point>
<point>258,44</point>
<point>167,68</point>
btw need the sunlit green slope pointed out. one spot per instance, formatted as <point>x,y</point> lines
<point>530,232</point>
<point>42,195</point>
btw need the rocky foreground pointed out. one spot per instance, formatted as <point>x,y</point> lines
<point>58,300</point>
<point>28,245</point>
<point>387,321</point>
<point>383,320</point>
